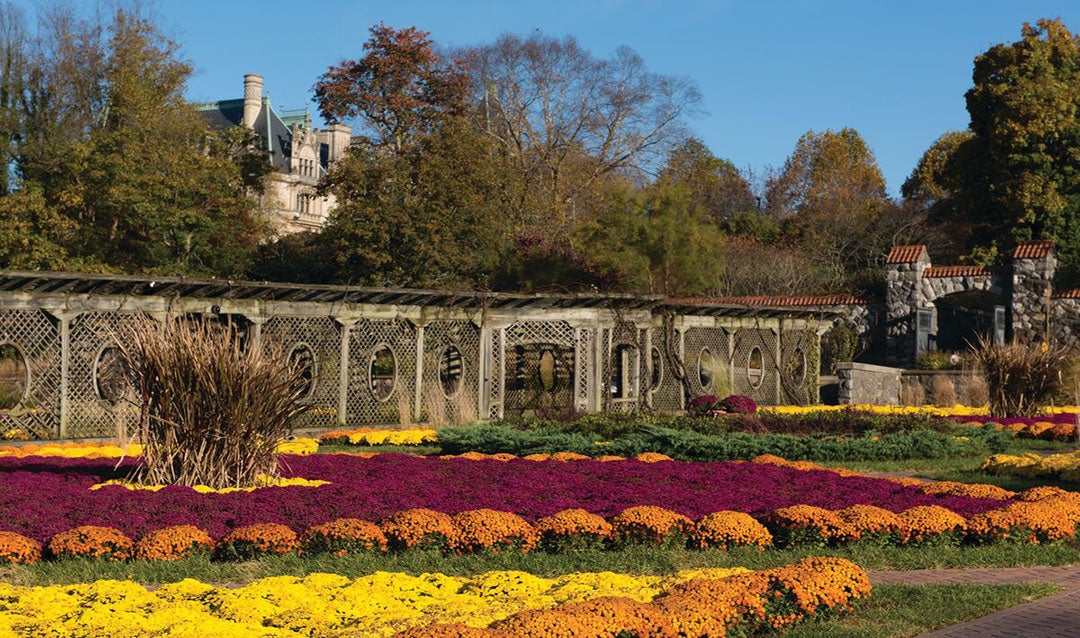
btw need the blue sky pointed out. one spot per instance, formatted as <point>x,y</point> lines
<point>768,70</point>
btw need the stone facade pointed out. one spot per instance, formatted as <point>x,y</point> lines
<point>299,154</point>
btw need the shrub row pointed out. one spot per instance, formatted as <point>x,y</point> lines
<point>1040,515</point>
<point>686,445</point>
<point>613,425</point>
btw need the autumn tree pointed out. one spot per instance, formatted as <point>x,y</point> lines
<point>398,90</point>
<point>716,186</point>
<point>831,182</point>
<point>1016,174</point>
<point>115,170</point>
<point>565,119</point>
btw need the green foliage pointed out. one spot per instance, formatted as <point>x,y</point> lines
<point>693,446</point>
<point>939,360</point>
<point>427,216</point>
<point>130,179</point>
<point>1015,175</point>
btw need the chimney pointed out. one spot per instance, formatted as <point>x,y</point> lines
<point>252,98</point>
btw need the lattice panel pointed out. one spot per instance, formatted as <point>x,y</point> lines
<point>798,378</point>
<point>102,401</point>
<point>367,378</point>
<point>451,372</point>
<point>624,368</point>
<point>539,367</point>
<point>321,336</point>
<point>755,375</point>
<point>36,336</point>
<point>705,358</point>
<point>495,387</point>
<point>584,340</point>
<point>665,388</point>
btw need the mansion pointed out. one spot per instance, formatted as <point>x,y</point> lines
<point>299,154</point>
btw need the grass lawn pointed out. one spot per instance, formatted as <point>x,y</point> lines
<point>899,611</point>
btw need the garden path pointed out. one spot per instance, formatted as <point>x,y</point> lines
<point>1056,616</point>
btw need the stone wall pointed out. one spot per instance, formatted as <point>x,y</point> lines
<point>1065,322</point>
<point>1031,298</point>
<point>861,383</point>
<point>943,388</point>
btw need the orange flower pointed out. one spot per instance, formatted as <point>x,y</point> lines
<point>932,524</point>
<point>1036,430</point>
<point>486,529</point>
<point>727,530</point>
<point>569,456</point>
<point>16,548</point>
<point>572,529</point>
<point>874,524</point>
<point>343,536</point>
<point>261,539</point>
<point>173,543</point>
<point>92,541</point>
<point>1061,432</point>
<point>450,631</point>
<point>652,457</point>
<point>1023,522</point>
<point>808,525</point>
<point>650,525</point>
<point>420,528</point>
<point>974,490</point>
<point>618,616</point>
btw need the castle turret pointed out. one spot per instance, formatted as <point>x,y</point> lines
<point>253,85</point>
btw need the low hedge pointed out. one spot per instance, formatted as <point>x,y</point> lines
<point>688,445</point>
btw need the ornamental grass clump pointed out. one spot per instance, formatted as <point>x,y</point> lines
<point>91,541</point>
<point>650,525</point>
<point>728,530</point>
<point>254,541</point>
<point>344,536</point>
<point>573,529</point>
<point>177,542</point>
<point>16,548</point>
<point>212,407</point>
<point>1020,379</point>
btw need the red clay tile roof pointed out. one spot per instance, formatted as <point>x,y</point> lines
<point>905,254</point>
<point>1072,293</point>
<point>1037,249</point>
<point>961,271</point>
<point>782,300</point>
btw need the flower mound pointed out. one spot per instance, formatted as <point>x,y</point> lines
<point>874,524</point>
<point>1023,522</point>
<point>91,541</point>
<point>486,529</point>
<point>420,528</point>
<point>929,524</point>
<point>807,525</point>
<point>450,631</point>
<point>16,548</point>
<point>730,529</point>
<point>650,525</point>
<point>344,536</point>
<point>974,490</point>
<point>253,541</point>
<point>738,404</point>
<point>173,543</point>
<point>572,529</point>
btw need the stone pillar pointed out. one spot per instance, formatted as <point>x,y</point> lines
<point>253,85</point>
<point>1033,267</point>
<point>904,268</point>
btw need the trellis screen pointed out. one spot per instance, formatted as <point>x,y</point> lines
<point>395,363</point>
